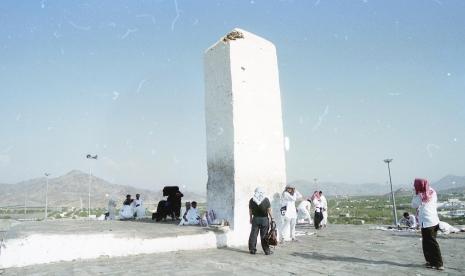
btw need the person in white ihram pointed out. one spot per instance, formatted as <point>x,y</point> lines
<point>139,210</point>
<point>111,209</point>
<point>192,216</point>
<point>324,204</point>
<point>127,212</point>
<point>303,211</point>
<point>289,213</point>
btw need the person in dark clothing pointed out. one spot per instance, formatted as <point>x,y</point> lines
<point>318,217</point>
<point>177,204</point>
<point>174,202</point>
<point>128,200</point>
<point>260,215</point>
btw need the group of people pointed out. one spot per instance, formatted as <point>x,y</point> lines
<point>260,215</point>
<point>132,208</point>
<point>424,201</point>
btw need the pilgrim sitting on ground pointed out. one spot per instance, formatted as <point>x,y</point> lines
<point>192,216</point>
<point>184,212</point>
<point>127,212</point>
<point>408,220</point>
<point>139,210</point>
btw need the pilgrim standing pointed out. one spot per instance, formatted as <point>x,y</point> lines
<point>425,201</point>
<point>316,200</point>
<point>324,203</point>
<point>260,216</point>
<point>289,213</point>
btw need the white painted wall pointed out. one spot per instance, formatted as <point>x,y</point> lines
<point>243,98</point>
<point>42,249</point>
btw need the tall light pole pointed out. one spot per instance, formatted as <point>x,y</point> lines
<point>90,157</point>
<point>393,199</point>
<point>25,200</point>
<point>46,195</point>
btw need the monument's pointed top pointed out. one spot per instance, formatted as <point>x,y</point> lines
<point>237,34</point>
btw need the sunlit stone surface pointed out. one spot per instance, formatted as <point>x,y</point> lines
<point>245,142</point>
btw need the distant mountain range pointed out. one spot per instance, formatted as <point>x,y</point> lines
<point>336,188</point>
<point>447,184</point>
<point>450,182</point>
<point>72,188</point>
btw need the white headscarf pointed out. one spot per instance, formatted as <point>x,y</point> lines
<point>259,195</point>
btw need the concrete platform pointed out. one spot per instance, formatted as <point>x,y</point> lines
<point>38,242</point>
<point>337,250</point>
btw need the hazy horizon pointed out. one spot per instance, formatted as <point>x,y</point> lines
<point>361,81</point>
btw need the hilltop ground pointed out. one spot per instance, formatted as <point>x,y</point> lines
<point>337,250</point>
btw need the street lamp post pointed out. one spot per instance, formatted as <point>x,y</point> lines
<point>25,201</point>
<point>89,156</point>
<point>393,199</point>
<point>46,195</point>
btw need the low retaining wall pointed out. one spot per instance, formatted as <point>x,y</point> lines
<point>40,248</point>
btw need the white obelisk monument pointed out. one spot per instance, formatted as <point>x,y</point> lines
<point>245,142</point>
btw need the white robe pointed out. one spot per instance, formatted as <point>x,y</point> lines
<point>324,204</point>
<point>192,217</point>
<point>446,228</point>
<point>317,204</point>
<point>289,219</point>
<point>127,212</point>
<point>139,208</point>
<point>303,211</point>
<point>111,209</point>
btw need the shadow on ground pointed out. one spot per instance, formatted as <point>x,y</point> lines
<point>321,257</point>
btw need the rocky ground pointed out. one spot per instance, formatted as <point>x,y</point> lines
<point>337,250</point>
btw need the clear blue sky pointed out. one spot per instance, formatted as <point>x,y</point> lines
<point>360,81</point>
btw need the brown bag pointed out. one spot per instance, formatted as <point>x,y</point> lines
<point>272,236</point>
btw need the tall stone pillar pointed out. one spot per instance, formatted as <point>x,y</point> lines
<point>245,142</point>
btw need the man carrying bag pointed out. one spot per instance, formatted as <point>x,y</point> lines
<point>260,217</point>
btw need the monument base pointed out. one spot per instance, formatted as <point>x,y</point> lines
<point>30,243</point>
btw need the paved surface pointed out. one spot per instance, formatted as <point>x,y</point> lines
<point>141,229</point>
<point>337,250</point>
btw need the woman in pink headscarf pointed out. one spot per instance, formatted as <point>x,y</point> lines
<point>425,201</point>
